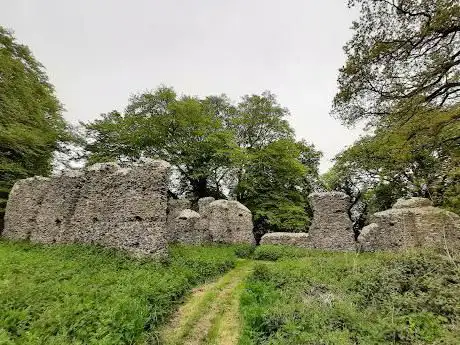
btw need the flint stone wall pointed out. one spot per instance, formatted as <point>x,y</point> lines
<point>116,207</point>
<point>228,221</point>
<point>287,238</point>
<point>331,228</point>
<point>175,207</point>
<point>412,223</point>
<point>186,228</point>
<point>219,221</point>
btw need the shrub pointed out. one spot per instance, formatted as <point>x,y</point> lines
<point>244,251</point>
<point>340,298</point>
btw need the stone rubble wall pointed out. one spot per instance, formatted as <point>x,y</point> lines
<point>128,208</point>
<point>299,239</point>
<point>412,223</point>
<point>331,228</point>
<point>219,221</point>
<point>124,208</point>
<point>175,207</point>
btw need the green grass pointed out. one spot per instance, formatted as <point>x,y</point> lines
<point>338,298</point>
<point>78,294</point>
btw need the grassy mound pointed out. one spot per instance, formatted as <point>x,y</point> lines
<point>86,295</point>
<point>338,298</point>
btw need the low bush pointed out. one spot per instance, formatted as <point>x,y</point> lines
<point>244,251</point>
<point>75,294</point>
<point>339,298</point>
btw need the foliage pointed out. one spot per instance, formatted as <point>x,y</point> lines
<point>184,131</point>
<point>244,251</point>
<point>339,298</point>
<point>260,121</point>
<point>401,51</point>
<point>76,294</point>
<point>31,124</point>
<point>246,150</point>
<point>415,157</point>
<point>276,183</point>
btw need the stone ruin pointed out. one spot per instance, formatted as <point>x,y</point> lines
<point>125,208</point>
<point>108,205</point>
<point>298,239</point>
<point>411,223</point>
<point>218,221</point>
<point>128,208</point>
<point>331,228</point>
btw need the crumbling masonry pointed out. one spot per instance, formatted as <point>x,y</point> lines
<point>125,208</point>
<point>128,208</point>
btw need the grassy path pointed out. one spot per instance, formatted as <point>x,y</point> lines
<point>211,315</point>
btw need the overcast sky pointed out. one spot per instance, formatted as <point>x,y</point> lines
<point>99,52</point>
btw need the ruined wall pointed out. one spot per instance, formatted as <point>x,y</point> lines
<point>218,221</point>
<point>297,239</point>
<point>331,227</point>
<point>412,223</point>
<point>175,207</point>
<point>228,221</point>
<point>22,208</point>
<point>116,207</point>
<point>186,229</point>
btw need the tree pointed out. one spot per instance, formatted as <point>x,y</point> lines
<point>276,182</point>
<point>187,132</point>
<point>402,51</point>
<point>260,120</point>
<point>415,157</point>
<point>218,148</point>
<point>31,122</point>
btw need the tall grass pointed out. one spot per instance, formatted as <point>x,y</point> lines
<point>77,294</point>
<point>338,298</point>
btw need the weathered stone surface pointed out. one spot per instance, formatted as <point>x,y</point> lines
<point>412,203</point>
<point>124,208</point>
<point>203,202</point>
<point>116,207</point>
<point>228,222</point>
<point>331,228</point>
<point>186,230</point>
<point>24,201</point>
<point>175,207</point>
<point>57,208</point>
<point>299,239</point>
<point>411,227</point>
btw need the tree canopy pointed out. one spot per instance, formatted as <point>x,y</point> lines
<point>217,147</point>
<point>31,122</point>
<point>401,51</point>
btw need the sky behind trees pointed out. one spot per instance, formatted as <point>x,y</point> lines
<point>98,53</point>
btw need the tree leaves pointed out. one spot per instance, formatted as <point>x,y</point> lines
<point>31,122</point>
<point>400,50</point>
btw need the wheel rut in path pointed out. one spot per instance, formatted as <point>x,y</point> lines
<point>211,315</point>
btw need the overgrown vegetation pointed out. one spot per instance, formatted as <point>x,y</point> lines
<point>402,79</point>
<point>76,294</point>
<point>339,298</point>
<point>31,122</point>
<point>245,149</point>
